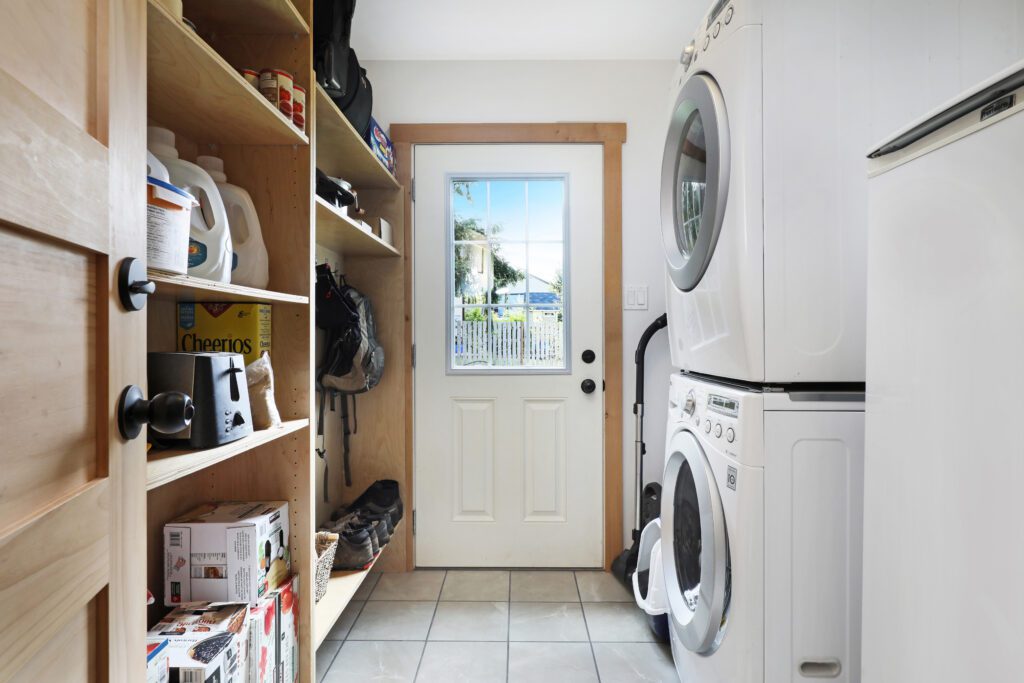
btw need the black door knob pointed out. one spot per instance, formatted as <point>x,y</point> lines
<point>588,386</point>
<point>589,356</point>
<point>167,413</point>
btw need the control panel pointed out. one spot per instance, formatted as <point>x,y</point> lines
<point>712,413</point>
<point>721,16</point>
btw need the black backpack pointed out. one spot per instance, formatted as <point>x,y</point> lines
<point>353,360</point>
<point>336,64</point>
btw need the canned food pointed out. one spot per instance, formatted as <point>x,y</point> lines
<point>252,77</point>
<point>277,85</point>
<point>299,107</point>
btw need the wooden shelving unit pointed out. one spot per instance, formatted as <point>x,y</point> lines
<point>341,234</point>
<point>341,152</point>
<point>187,288</point>
<point>195,92</point>
<point>270,17</point>
<point>165,466</point>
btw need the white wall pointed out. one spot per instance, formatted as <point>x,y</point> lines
<point>634,92</point>
<point>937,626</point>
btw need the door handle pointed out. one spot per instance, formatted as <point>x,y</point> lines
<point>588,356</point>
<point>132,285</point>
<point>588,386</point>
<point>167,413</point>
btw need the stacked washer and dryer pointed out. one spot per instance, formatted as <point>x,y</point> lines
<point>764,225</point>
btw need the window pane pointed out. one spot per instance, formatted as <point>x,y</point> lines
<point>545,269</point>
<point>546,345</point>
<point>509,262</point>
<point>469,209</point>
<point>547,209</point>
<point>508,209</point>
<point>472,273</point>
<point>471,337</point>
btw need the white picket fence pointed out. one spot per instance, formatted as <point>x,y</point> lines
<point>504,343</point>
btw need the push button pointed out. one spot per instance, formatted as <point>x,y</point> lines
<point>730,435</point>
<point>707,426</point>
<point>717,29</point>
<point>728,15</point>
<point>707,41</point>
<point>718,431</point>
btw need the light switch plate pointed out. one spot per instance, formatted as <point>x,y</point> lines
<point>635,298</point>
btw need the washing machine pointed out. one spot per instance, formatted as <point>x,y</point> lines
<point>763,193</point>
<point>761,532</point>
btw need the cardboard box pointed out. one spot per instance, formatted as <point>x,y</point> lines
<point>263,636</point>
<point>237,328</point>
<point>287,606</point>
<point>380,145</point>
<point>226,552</point>
<point>157,670</point>
<point>204,642</point>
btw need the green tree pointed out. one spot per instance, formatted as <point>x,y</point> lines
<point>470,229</point>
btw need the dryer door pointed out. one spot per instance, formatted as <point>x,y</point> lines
<point>695,546</point>
<point>694,180</point>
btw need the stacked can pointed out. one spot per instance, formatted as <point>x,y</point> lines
<point>278,87</point>
<point>299,107</point>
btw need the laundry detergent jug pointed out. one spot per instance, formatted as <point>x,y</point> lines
<point>250,266</point>
<point>209,245</point>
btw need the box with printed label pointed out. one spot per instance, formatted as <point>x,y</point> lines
<point>236,328</point>
<point>204,642</point>
<point>263,639</point>
<point>157,670</point>
<point>226,552</point>
<point>287,606</point>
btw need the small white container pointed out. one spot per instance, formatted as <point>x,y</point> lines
<point>168,214</point>
<point>385,232</point>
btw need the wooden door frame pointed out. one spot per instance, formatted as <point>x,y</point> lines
<point>611,136</point>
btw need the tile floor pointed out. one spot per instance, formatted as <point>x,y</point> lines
<point>481,626</point>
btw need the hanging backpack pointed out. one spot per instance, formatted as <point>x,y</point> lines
<point>352,361</point>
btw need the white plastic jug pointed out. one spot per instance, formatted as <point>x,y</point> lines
<point>209,247</point>
<point>250,266</point>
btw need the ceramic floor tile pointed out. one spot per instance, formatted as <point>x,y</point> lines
<point>639,662</point>
<point>324,657</point>
<point>417,585</point>
<point>602,587</point>
<point>547,662</point>
<point>367,586</point>
<point>375,662</point>
<point>544,586</point>
<point>475,585</point>
<point>463,663</point>
<point>547,621</point>
<point>479,621</point>
<point>344,623</point>
<point>617,622</point>
<point>393,620</point>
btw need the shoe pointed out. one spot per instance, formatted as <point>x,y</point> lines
<point>382,497</point>
<point>355,550</point>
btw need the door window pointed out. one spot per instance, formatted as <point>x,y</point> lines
<point>507,274</point>
<point>687,537</point>
<point>691,182</point>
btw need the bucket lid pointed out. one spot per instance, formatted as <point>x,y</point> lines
<point>173,188</point>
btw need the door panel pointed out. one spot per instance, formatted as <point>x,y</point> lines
<point>508,449</point>
<point>72,206</point>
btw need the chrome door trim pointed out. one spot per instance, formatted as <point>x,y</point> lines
<point>700,93</point>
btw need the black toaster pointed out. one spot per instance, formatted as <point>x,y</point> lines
<point>216,383</point>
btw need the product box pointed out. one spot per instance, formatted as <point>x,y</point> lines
<point>263,640</point>
<point>157,670</point>
<point>380,145</point>
<point>226,552</point>
<point>287,607</point>
<point>204,642</point>
<point>238,328</point>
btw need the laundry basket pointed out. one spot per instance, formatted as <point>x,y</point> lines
<point>326,547</point>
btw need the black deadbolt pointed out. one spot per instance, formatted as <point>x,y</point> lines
<point>588,386</point>
<point>167,413</point>
<point>132,285</point>
<point>588,356</point>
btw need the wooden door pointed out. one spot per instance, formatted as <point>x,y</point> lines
<point>72,206</point>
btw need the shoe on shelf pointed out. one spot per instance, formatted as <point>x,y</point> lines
<point>355,550</point>
<point>382,497</point>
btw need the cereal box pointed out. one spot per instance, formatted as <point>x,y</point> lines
<point>156,662</point>
<point>263,640</point>
<point>237,328</point>
<point>226,552</point>
<point>204,642</point>
<point>287,606</point>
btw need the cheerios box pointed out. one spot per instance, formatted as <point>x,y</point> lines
<point>233,327</point>
<point>205,642</point>
<point>226,552</point>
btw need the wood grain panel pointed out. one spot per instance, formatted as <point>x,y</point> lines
<point>247,16</point>
<point>50,568</point>
<point>70,656</point>
<point>48,373</point>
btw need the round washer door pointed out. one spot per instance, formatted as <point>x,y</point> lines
<point>694,180</point>
<point>695,546</point>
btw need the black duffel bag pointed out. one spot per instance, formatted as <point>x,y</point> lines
<point>337,66</point>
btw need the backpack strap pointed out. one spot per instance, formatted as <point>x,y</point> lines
<point>344,439</point>
<point>321,449</point>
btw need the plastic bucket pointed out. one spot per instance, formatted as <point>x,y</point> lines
<point>649,578</point>
<point>168,213</point>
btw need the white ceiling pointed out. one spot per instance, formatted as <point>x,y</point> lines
<point>523,29</point>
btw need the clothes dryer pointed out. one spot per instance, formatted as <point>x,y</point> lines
<point>763,194</point>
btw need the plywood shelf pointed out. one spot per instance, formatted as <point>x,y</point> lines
<point>341,234</point>
<point>163,467</point>
<point>341,588</point>
<point>341,151</point>
<point>193,91</point>
<point>247,16</point>
<point>188,288</point>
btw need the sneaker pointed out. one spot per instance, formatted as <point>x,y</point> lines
<point>355,550</point>
<point>382,497</point>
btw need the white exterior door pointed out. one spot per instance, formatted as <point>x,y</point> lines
<point>509,403</point>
